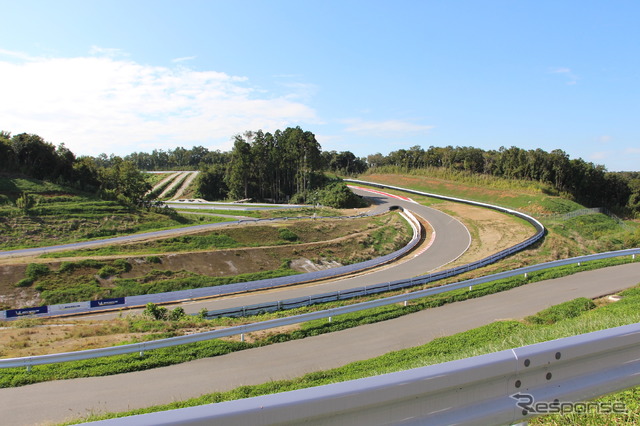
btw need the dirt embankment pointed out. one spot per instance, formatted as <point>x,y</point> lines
<point>341,242</point>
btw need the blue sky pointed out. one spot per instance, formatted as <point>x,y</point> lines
<point>366,76</point>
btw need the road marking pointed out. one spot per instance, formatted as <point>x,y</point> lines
<point>398,197</point>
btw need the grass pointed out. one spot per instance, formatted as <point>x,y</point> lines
<point>63,215</point>
<point>91,279</point>
<point>75,281</point>
<point>494,337</point>
<point>254,236</point>
<point>168,356</point>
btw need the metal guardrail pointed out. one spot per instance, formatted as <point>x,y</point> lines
<point>395,285</point>
<point>195,293</point>
<point>328,313</point>
<point>494,389</point>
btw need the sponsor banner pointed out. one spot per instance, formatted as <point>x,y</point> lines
<point>12,313</point>
<point>68,306</point>
<point>106,302</point>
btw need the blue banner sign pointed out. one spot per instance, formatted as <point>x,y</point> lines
<point>12,313</point>
<point>107,302</point>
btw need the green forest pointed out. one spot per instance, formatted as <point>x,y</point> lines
<point>290,166</point>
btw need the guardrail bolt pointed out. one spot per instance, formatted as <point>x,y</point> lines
<point>548,376</point>
<point>558,355</point>
<point>518,383</point>
<point>527,362</point>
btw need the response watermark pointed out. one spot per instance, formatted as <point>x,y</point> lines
<point>529,406</point>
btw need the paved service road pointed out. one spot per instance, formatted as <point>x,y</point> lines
<point>57,401</point>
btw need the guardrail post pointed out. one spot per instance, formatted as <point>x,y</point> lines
<point>242,337</point>
<point>329,319</point>
<point>526,275</point>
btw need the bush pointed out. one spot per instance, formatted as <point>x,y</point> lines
<point>153,259</point>
<point>154,311</point>
<point>287,234</point>
<point>25,282</point>
<point>107,271</point>
<point>177,313</point>
<point>66,267</point>
<point>122,265</point>
<point>36,270</point>
<point>337,195</point>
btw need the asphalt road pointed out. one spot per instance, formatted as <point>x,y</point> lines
<point>451,240</point>
<point>60,400</point>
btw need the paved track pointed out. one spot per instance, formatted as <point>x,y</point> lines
<point>56,401</point>
<point>450,241</point>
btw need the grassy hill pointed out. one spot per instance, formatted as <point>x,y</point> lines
<point>572,230</point>
<point>62,215</point>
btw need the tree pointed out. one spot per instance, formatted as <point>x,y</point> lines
<point>123,182</point>
<point>240,167</point>
<point>210,183</point>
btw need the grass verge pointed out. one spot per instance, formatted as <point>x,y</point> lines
<point>167,356</point>
<point>501,335</point>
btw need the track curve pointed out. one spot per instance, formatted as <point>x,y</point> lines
<point>451,240</point>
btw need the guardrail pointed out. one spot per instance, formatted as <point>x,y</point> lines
<point>141,300</point>
<point>328,313</point>
<point>499,388</point>
<point>81,307</point>
<point>394,285</point>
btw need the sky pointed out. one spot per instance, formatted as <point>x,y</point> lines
<point>366,76</point>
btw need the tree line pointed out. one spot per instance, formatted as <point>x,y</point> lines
<point>30,155</point>
<point>585,182</point>
<point>289,165</point>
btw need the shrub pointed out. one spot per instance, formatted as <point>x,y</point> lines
<point>122,265</point>
<point>154,311</point>
<point>66,267</point>
<point>25,282</point>
<point>153,259</point>
<point>107,271</point>
<point>36,270</point>
<point>287,234</point>
<point>177,314</point>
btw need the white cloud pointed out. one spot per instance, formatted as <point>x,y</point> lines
<point>570,76</point>
<point>397,127</point>
<point>109,52</point>
<point>107,103</point>
<point>183,59</point>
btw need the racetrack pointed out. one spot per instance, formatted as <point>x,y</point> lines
<point>450,239</point>
<point>57,401</point>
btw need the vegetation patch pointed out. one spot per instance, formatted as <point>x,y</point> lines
<point>494,337</point>
<point>340,322</point>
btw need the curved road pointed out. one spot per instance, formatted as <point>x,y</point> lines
<point>450,240</point>
<point>63,400</point>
